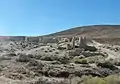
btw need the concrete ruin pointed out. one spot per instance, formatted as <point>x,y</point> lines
<point>72,44</point>
<point>82,42</point>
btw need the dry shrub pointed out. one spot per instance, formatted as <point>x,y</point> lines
<point>4,58</point>
<point>107,64</point>
<point>81,61</point>
<point>112,79</point>
<point>23,58</point>
<point>51,81</point>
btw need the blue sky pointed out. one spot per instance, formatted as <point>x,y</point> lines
<point>39,17</point>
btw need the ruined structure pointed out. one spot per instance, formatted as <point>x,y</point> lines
<point>63,40</point>
<point>49,40</point>
<point>26,39</point>
<point>17,38</point>
<point>40,39</point>
<point>71,44</point>
<point>82,42</point>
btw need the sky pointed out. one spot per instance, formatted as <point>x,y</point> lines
<point>41,17</point>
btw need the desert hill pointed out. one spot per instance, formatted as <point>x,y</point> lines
<point>94,31</point>
<point>101,33</point>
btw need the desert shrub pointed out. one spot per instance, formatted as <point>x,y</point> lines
<point>50,51</point>
<point>78,57</point>
<point>4,58</point>
<point>12,54</point>
<point>53,49</point>
<point>81,61</point>
<point>42,48</point>
<point>2,67</point>
<point>33,63</point>
<point>31,55</point>
<point>64,59</point>
<point>50,81</point>
<point>89,54</point>
<point>23,58</point>
<point>46,51</point>
<point>112,79</point>
<point>75,52</point>
<point>56,52</point>
<point>38,57</point>
<point>106,64</point>
<point>51,46</point>
<point>115,61</point>
<point>55,62</point>
<point>35,66</point>
<point>95,80</point>
<point>34,56</point>
<point>61,48</point>
<point>24,72</point>
<point>47,58</point>
<point>95,59</point>
<point>15,76</point>
<point>91,48</point>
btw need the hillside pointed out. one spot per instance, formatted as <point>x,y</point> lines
<point>101,33</point>
<point>95,31</point>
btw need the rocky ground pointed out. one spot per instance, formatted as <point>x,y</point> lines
<point>52,63</point>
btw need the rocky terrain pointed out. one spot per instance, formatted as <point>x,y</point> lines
<point>68,59</point>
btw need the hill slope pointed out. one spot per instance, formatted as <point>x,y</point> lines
<point>95,31</point>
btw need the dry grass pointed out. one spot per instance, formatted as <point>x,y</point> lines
<point>113,79</point>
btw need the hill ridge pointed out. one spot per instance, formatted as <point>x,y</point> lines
<point>87,29</point>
